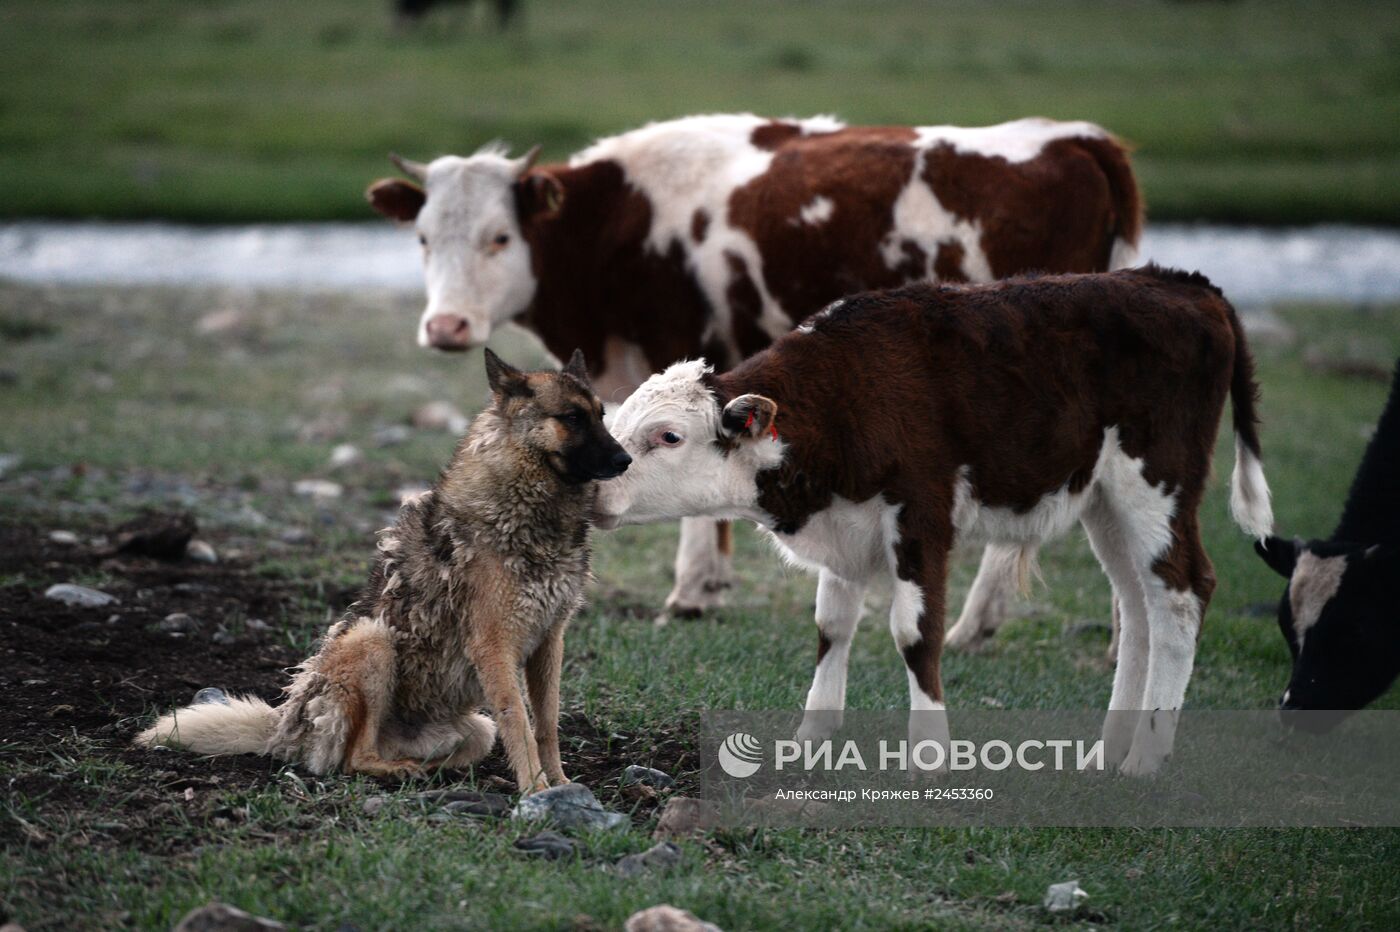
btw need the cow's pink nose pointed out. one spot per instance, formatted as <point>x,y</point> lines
<point>449,332</point>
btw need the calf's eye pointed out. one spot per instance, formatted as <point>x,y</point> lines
<point>670,438</point>
<point>501,239</point>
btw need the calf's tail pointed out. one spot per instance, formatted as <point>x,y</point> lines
<point>243,726</point>
<point>1249,491</point>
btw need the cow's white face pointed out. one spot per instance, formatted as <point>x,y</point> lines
<point>690,458</point>
<point>475,261</point>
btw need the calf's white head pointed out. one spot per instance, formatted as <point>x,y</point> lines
<point>470,214</point>
<point>691,455</point>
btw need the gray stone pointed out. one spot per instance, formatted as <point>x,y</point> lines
<point>1063,897</point>
<point>178,623</point>
<point>220,917</point>
<point>374,804</point>
<point>660,857</point>
<point>223,635</point>
<point>551,846</point>
<point>65,538</point>
<point>201,552</point>
<point>391,435</point>
<point>345,454</point>
<point>440,415</point>
<point>686,816</point>
<point>317,488</point>
<point>467,802</point>
<point>667,918</point>
<point>9,462</point>
<point>636,773</point>
<point>210,694</point>
<point>257,624</point>
<point>79,596</point>
<point>570,806</point>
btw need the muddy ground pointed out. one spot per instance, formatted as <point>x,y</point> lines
<point>90,678</point>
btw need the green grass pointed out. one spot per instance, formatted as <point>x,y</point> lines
<point>123,383</point>
<point>1284,112</point>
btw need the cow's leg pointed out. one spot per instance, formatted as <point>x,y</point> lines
<point>1111,546</point>
<point>704,567</point>
<point>920,558</point>
<point>838,613</point>
<point>1178,587</point>
<point>989,599</point>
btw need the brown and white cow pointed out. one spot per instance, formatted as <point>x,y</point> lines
<point>714,235</point>
<point>891,425</point>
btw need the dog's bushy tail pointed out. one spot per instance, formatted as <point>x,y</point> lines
<point>242,726</point>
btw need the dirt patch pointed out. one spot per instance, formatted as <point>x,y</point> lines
<point>82,681</point>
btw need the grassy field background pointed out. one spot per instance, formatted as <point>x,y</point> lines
<point>123,399</point>
<point>1271,112</point>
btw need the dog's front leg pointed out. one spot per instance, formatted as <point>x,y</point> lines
<point>542,679</point>
<point>499,671</point>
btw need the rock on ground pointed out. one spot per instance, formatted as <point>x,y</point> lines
<point>440,415</point>
<point>660,857</point>
<point>686,816</point>
<point>79,596</point>
<point>572,805</point>
<point>636,773</point>
<point>317,488</point>
<point>220,917</point>
<point>201,552</point>
<point>551,846</point>
<point>1063,897</point>
<point>667,918</point>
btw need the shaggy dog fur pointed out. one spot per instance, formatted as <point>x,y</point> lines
<point>475,582</point>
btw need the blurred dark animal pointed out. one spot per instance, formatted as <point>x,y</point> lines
<point>474,586</point>
<point>713,235</point>
<point>411,12</point>
<point>1341,611</point>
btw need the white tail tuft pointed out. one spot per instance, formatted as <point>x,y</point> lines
<point>243,726</point>
<point>1124,254</point>
<point>1249,494</point>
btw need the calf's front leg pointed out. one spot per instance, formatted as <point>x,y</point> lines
<point>838,613</point>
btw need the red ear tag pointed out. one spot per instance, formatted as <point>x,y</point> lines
<point>749,422</point>
<point>773,428</point>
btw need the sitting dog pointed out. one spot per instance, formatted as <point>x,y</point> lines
<point>477,580</point>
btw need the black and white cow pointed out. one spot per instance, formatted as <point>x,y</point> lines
<point>1341,611</point>
<point>714,235</point>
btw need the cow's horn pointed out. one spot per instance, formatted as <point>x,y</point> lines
<point>409,167</point>
<point>527,161</point>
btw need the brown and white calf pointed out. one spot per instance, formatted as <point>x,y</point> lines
<point>893,424</point>
<point>713,235</point>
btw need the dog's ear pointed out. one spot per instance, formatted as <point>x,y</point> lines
<point>1280,554</point>
<point>578,368</point>
<point>505,380</point>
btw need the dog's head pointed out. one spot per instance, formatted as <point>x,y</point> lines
<point>557,416</point>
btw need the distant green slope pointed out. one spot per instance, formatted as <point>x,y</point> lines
<point>274,110</point>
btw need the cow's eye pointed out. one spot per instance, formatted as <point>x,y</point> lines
<point>670,438</point>
<point>422,240</point>
<point>501,239</point>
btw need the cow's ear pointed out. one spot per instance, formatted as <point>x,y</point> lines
<point>539,194</point>
<point>396,199</point>
<point>577,367</point>
<point>1280,554</point>
<point>505,380</point>
<point>749,416</point>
